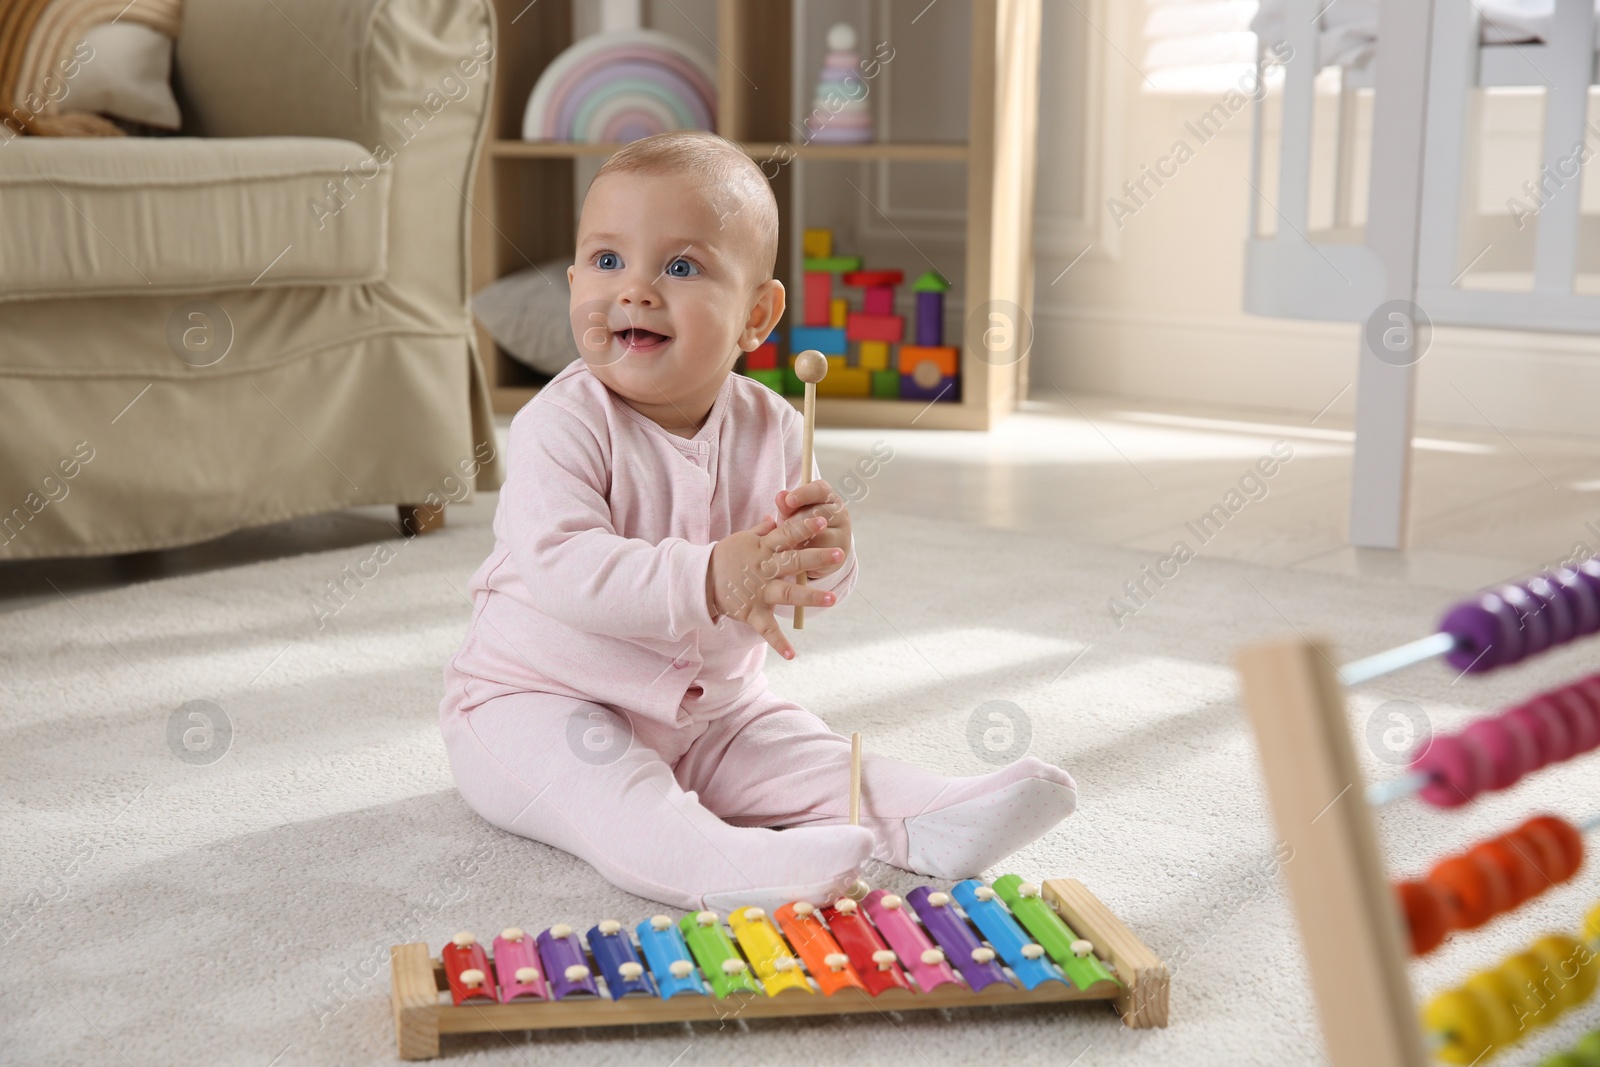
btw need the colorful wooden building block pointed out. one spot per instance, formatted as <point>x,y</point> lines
<point>818,298</point>
<point>879,300</point>
<point>845,381</point>
<point>871,279</point>
<point>772,379</point>
<point>825,339</point>
<point>930,290</point>
<point>864,327</point>
<point>839,312</point>
<point>886,384</point>
<point>833,264</point>
<point>944,390</point>
<point>816,242</point>
<point>942,357</point>
<point>874,355</point>
<point>764,357</point>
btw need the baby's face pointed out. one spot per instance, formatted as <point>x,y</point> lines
<point>663,291</point>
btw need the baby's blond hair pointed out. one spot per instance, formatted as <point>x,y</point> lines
<point>732,177</point>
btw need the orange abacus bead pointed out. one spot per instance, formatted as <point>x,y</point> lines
<point>1427,915</point>
<point>1568,837</point>
<point>1545,849</point>
<point>1477,888</point>
<point>1522,874</point>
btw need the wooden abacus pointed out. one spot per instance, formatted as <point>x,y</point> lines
<point>1358,930</point>
<point>1010,943</point>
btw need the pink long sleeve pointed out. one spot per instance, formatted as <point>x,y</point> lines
<point>596,585</point>
<point>582,571</point>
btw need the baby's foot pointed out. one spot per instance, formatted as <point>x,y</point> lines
<point>811,863</point>
<point>984,819</point>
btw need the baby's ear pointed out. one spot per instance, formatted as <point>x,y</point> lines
<point>764,314</point>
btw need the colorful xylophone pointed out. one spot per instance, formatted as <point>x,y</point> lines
<point>1358,929</point>
<point>976,945</point>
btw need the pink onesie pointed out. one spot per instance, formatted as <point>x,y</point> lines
<point>595,706</point>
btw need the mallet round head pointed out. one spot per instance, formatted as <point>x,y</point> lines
<point>811,366</point>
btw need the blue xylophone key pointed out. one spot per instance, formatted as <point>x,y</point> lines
<point>668,955</point>
<point>1000,928</point>
<point>613,951</point>
<point>966,953</point>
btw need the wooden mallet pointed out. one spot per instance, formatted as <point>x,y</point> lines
<point>810,367</point>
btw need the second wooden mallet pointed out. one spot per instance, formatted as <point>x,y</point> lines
<point>810,367</point>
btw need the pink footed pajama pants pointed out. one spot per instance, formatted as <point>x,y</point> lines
<point>685,815</point>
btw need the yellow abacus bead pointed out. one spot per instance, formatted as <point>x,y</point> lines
<point>1591,925</point>
<point>1572,969</point>
<point>1499,1003</point>
<point>1527,974</point>
<point>1460,1019</point>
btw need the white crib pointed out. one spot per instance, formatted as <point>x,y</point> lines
<point>1421,233</point>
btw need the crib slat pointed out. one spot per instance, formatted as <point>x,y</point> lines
<point>1571,52</point>
<point>1452,93</point>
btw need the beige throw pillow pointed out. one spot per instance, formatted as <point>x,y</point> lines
<point>129,76</point>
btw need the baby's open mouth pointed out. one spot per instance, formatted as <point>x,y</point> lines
<point>638,337</point>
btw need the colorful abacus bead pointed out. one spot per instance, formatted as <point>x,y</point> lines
<point>1463,1024</point>
<point>1509,746</point>
<point>1487,634</point>
<point>1458,769</point>
<point>517,967</point>
<point>1477,889</point>
<point>1532,622</point>
<point>668,956</point>
<point>1427,915</point>
<point>1582,598</point>
<point>1551,603</point>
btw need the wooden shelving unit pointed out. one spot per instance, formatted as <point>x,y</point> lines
<point>524,209</point>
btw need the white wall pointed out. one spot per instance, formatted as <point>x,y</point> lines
<point>1153,308</point>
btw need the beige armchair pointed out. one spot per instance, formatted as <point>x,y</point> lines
<point>266,317</point>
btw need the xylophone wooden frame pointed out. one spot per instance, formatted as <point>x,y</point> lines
<point>422,1011</point>
<point>1352,928</point>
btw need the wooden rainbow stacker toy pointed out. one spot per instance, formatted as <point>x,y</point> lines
<point>977,945</point>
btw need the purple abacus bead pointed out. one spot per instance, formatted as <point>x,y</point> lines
<point>1554,607</point>
<point>1508,745</point>
<point>1530,617</point>
<point>1589,572</point>
<point>1582,598</point>
<point>1459,769</point>
<point>1583,722</point>
<point>1487,634</point>
<point>1549,729</point>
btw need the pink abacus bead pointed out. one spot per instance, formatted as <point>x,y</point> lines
<point>1554,607</point>
<point>1549,729</point>
<point>1582,598</point>
<point>1531,618</point>
<point>1459,769</point>
<point>1508,745</point>
<point>1583,720</point>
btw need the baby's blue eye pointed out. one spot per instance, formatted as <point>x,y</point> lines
<point>608,261</point>
<point>682,268</point>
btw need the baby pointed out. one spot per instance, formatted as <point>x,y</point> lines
<point>609,697</point>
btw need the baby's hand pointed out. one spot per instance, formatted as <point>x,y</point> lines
<point>818,498</point>
<point>747,571</point>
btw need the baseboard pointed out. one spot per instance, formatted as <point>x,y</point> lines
<point>1512,381</point>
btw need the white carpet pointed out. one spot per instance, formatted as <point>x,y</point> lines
<point>161,912</point>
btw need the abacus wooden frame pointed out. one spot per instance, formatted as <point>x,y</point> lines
<point>422,1009</point>
<point>1352,929</point>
